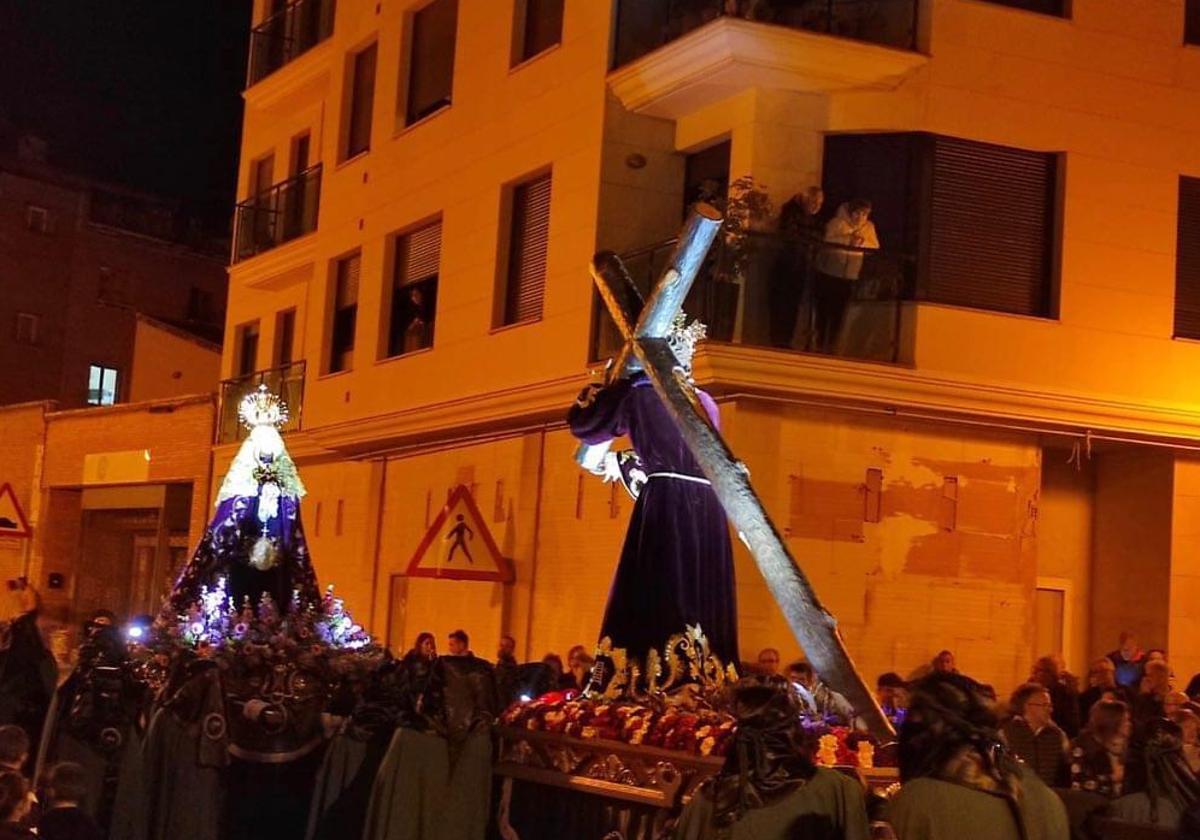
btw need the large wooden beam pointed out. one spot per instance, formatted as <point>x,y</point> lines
<point>814,627</point>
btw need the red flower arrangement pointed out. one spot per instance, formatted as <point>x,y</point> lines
<point>699,732</point>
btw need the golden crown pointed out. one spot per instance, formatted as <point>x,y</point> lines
<point>262,408</point>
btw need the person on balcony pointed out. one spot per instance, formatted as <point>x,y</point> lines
<point>791,289</point>
<point>838,268</point>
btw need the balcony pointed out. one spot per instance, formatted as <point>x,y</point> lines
<point>772,291</point>
<point>284,212</point>
<point>672,57</point>
<point>287,35</point>
<point>285,382</point>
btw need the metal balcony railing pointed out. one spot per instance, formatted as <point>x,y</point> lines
<point>284,212</point>
<point>288,34</point>
<point>768,290</point>
<point>645,25</point>
<point>285,382</point>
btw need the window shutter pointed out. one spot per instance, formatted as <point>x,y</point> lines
<point>347,282</point>
<point>543,26</point>
<point>418,254</point>
<point>1187,260</point>
<point>527,251</point>
<point>991,226</point>
<point>431,63</point>
<point>362,98</point>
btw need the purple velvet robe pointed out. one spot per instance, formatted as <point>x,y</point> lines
<point>224,551</point>
<point>676,567</point>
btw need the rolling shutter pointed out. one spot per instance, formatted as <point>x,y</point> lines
<point>991,224</point>
<point>527,250</point>
<point>362,102</point>
<point>1187,260</point>
<point>348,270</point>
<point>1191,22</point>
<point>431,63</point>
<point>419,253</point>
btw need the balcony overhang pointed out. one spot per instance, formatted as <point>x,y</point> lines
<point>310,68</point>
<point>730,55</point>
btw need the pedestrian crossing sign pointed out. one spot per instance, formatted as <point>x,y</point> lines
<point>459,545</point>
<point>12,519</point>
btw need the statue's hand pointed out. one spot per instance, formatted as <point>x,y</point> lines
<point>610,468</point>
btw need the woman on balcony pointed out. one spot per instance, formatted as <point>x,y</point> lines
<point>838,269</point>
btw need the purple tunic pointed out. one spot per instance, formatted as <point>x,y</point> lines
<point>224,551</point>
<point>676,567</point>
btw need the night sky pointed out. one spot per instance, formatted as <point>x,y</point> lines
<point>142,92</point>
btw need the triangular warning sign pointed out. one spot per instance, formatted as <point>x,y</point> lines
<point>12,519</point>
<point>459,546</point>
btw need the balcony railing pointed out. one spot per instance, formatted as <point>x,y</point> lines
<point>768,290</point>
<point>285,382</point>
<point>288,34</point>
<point>645,25</point>
<point>280,214</point>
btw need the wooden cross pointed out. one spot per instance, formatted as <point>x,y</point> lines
<point>646,347</point>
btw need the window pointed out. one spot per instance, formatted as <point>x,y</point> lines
<point>247,348</point>
<point>1191,22</point>
<point>262,174</point>
<point>1058,8</point>
<point>538,28</point>
<point>706,176</point>
<point>414,290</point>
<point>978,222</point>
<point>528,239</point>
<point>102,385</point>
<point>431,59</point>
<point>112,287</point>
<point>27,328</point>
<point>285,337</point>
<point>301,149</point>
<point>200,305</point>
<point>345,311</point>
<point>1187,260</point>
<point>37,219</point>
<point>362,97</point>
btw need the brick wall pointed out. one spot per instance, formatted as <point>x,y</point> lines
<point>21,434</point>
<point>85,314</point>
<point>177,434</point>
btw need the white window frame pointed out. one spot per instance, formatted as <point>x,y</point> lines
<point>116,385</point>
<point>1066,586</point>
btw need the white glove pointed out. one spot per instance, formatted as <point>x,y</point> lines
<point>610,468</point>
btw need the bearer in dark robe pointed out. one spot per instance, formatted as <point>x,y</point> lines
<point>28,671</point>
<point>676,568</point>
<point>959,780</point>
<point>93,719</point>
<point>348,769</point>
<point>769,788</point>
<point>435,781</point>
<point>177,791</point>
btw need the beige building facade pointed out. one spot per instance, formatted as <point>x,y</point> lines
<point>1004,465</point>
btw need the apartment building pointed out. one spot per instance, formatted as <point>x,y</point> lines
<point>79,259</point>
<point>995,454</point>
